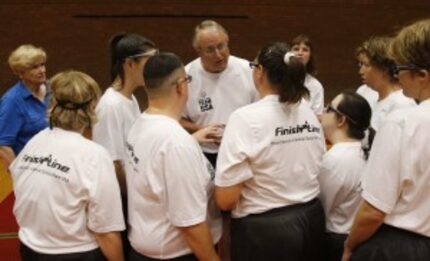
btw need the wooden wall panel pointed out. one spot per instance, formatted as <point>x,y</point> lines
<point>75,33</point>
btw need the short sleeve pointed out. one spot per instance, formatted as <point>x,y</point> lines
<point>381,178</point>
<point>186,175</point>
<point>318,100</point>
<point>108,131</point>
<point>11,122</point>
<point>236,147</point>
<point>105,208</point>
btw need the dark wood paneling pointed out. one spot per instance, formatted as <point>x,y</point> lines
<point>75,33</point>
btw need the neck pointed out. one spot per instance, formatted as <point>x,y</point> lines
<point>339,136</point>
<point>128,88</point>
<point>34,88</point>
<point>163,107</point>
<point>266,90</point>
<point>386,89</point>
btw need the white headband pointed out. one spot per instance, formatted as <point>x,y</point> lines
<point>288,56</point>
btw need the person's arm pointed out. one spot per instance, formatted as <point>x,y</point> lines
<point>6,155</point>
<point>366,223</point>
<point>190,126</point>
<point>120,175</point>
<point>111,245</point>
<point>209,134</point>
<point>227,197</point>
<point>198,238</point>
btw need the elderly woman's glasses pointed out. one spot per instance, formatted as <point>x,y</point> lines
<point>212,49</point>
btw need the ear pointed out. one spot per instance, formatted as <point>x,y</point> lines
<point>341,121</point>
<point>181,89</point>
<point>423,75</point>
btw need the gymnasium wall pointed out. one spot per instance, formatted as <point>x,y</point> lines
<point>75,33</point>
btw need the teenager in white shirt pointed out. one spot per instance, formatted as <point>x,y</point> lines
<point>375,71</point>
<point>118,107</point>
<point>68,203</point>
<point>268,165</point>
<point>221,84</point>
<point>345,122</point>
<point>169,181</point>
<point>392,222</point>
<point>303,48</point>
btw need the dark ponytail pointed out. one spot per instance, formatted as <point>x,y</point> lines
<point>122,46</point>
<point>285,72</point>
<point>358,113</point>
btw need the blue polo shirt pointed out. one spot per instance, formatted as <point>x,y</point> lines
<point>21,116</point>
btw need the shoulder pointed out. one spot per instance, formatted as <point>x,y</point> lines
<point>192,66</point>
<point>311,81</point>
<point>12,94</point>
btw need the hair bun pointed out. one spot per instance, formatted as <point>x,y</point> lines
<point>288,56</point>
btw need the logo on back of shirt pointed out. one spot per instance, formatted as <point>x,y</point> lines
<point>205,102</point>
<point>281,131</point>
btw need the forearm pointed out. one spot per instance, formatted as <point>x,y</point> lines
<point>199,239</point>
<point>227,197</point>
<point>366,223</point>
<point>190,126</point>
<point>6,155</point>
<point>120,175</point>
<point>111,245</point>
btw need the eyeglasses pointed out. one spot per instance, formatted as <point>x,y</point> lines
<point>395,69</point>
<point>253,65</point>
<point>186,79</point>
<point>145,54</point>
<point>212,49</point>
<point>329,108</point>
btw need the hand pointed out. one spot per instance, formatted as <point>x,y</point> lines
<point>209,134</point>
<point>347,252</point>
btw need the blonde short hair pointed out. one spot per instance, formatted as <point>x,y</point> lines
<point>74,96</point>
<point>25,56</point>
<point>206,24</point>
<point>412,45</point>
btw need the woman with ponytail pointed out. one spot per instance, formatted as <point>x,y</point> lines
<point>118,108</point>
<point>345,122</point>
<point>268,165</point>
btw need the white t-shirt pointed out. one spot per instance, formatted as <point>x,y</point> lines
<point>316,94</point>
<point>214,96</point>
<point>369,94</point>
<point>340,187</point>
<point>392,102</point>
<point>397,177</point>
<point>65,187</point>
<point>275,150</point>
<point>115,116</point>
<point>169,185</point>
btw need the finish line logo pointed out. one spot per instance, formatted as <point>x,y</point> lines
<point>281,131</point>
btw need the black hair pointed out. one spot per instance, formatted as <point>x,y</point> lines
<point>288,78</point>
<point>123,45</point>
<point>310,66</point>
<point>358,115</point>
<point>159,67</point>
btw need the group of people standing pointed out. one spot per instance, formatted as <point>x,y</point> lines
<point>222,134</point>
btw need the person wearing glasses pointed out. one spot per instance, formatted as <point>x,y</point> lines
<point>23,107</point>
<point>221,84</point>
<point>268,165</point>
<point>392,222</point>
<point>118,107</point>
<point>169,180</point>
<point>303,48</point>
<point>345,122</point>
<point>375,69</point>
<point>68,203</point>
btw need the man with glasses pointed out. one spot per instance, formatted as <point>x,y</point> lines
<point>221,84</point>
<point>169,180</point>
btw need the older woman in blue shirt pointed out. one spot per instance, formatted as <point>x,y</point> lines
<point>23,107</point>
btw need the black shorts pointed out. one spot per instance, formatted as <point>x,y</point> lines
<point>289,233</point>
<point>393,244</point>
<point>28,254</point>
<point>333,248</point>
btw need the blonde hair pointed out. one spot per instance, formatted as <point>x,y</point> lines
<point>25,56</point>
<point>206,24</point>
<point>74,96</point>
<point>411,46</point>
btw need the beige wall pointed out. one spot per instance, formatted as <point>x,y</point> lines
<point>75,33</point>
